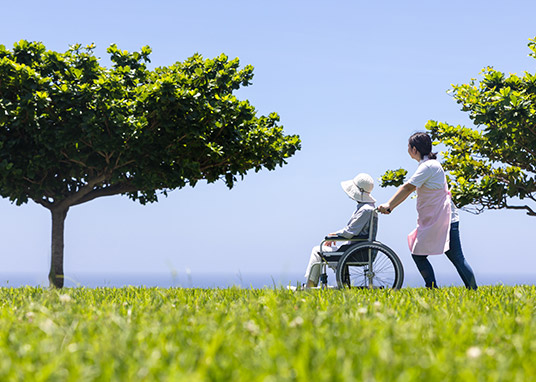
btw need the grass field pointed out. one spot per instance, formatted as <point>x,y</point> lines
<point>145,334</point>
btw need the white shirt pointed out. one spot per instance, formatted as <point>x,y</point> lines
<point>431,175</point>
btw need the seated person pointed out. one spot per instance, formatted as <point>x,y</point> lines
<point>358,189</point>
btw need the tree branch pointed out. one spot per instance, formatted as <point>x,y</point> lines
<point>107,126</point>
<point>222,163</point>
<point>106,191</point>
<point>529,149</point>
<point>88,144</point>
<point>73,199</point>
<point>103,154</point>
<point>124,164</point>
<point>176,141</point>
<point>30,181</point>
<point>154,125</point>
<point>528,126</point>
<point>530,211</point>
<point>223,125</point>
<point>117,160</point>
<point>44,203</point>
<point>73,160</point>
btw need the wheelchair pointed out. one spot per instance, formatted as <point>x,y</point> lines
<point>363,263</point>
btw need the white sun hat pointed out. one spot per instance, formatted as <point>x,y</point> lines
<point>359,188</point>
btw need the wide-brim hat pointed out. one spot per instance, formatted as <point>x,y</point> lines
<point>359,188</point>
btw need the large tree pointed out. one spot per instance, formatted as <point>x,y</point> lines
<point>72,130</point>
<point>491,165</point>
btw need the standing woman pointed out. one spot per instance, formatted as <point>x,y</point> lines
<point>437,223</point>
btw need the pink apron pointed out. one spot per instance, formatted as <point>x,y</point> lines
<point>432,235</point>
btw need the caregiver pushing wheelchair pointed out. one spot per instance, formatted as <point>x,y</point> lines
<point>437,229</point>
<point>353,252</point>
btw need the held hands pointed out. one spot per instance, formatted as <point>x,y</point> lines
<point>384,208</point>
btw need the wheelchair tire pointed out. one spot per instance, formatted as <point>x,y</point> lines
<point>370,265</point>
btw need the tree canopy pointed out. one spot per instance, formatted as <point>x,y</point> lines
<point>72,130</point>
<point>493,164</point>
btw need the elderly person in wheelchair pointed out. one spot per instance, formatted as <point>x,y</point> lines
<point>353,252</point>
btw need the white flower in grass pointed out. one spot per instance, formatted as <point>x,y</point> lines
<point>298,321</point>
<point>474,352</point>
<point>25,349</point>
<point>47,326</point>
<point>252,327</point>
<point>65,298</point>
<point>362,310</point>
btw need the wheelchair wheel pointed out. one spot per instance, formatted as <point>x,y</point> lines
<point>370,265</point>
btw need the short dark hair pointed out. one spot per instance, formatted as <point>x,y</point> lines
<point>423,143</point>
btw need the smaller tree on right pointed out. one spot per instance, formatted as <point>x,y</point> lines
<point>492,166</point>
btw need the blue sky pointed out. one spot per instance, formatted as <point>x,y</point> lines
<point>353,78</point>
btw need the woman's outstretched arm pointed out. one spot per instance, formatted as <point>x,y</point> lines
<point>400,195</point>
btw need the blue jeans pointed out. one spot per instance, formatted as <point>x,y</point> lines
<point>455,255</point>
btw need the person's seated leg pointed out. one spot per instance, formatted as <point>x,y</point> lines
<point>312,274</point>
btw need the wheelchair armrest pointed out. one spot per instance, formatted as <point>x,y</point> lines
<point>342,238</point>
<point>335,238</point>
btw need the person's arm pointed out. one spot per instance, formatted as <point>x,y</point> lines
<point>357,222</point>
<point>400,195</point>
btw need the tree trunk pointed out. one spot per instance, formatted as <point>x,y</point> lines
<point>55,277</point>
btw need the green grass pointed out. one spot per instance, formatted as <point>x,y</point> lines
<point>144,334</point>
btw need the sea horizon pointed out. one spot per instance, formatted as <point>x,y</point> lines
<point>249,280</point>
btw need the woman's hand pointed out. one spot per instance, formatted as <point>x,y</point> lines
<point>400,195</point>
<point>384,208</point>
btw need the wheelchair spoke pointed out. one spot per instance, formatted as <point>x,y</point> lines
<point>370,266</point>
